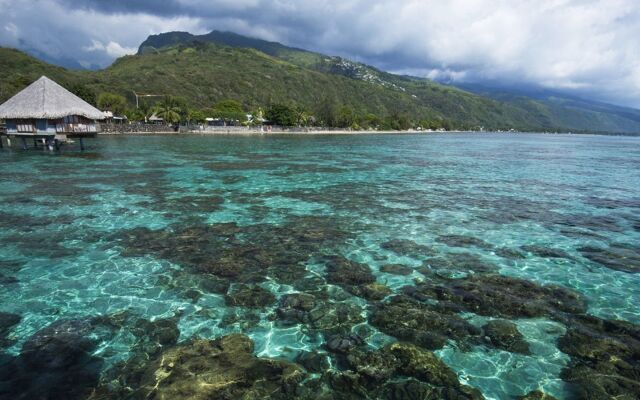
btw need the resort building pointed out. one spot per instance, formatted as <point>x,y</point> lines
<point>45,110</point>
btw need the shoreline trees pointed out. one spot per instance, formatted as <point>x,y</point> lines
<point>329,114</point>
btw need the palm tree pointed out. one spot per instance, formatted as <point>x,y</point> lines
<point>168,110</point>
<point>145,110</point>
<point>302,117</point>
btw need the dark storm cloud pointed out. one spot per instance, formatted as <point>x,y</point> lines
<point>166,8</point>
<point>583,46</point>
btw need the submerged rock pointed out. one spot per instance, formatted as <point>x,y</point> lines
<point>425,325</point>
<point>618,257</point>
<point>374,366</point>
<point>502,296</point>
<point>243,254</point>
<point>314,361</point>
<point>233,179</point>
<point>8,280</point>
<point>412,389</point>
<point>536,395</point>
<point>59,345</point>
<point>506,336</point>
<point>251,296</point>
<point>422,365</point>
<point>334,318</point>
<point>294,308</point>
<point>546,252</point>
<point>409,248</point>
<point>372,291</point>
<point>151,338</point>
<point>463,241</point>
<point>55,363</point>
<point>512,254</point>
<point>7,322</point>
<point>396,269</point>
<point>343,343</point>
<point>457,262</point>
<point>355,278</point>
<point>347,273</point>
<point>343,385</point>
<point>605,358</point>
<point>405,371</point>
<point>161,332</point>
<point>188,204</point>
<point>11,266</point>
<point>319,313</point>
<point>224,368</point>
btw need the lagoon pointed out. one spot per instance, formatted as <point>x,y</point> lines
<point>334,245</point>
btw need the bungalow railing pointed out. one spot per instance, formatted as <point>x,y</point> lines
<point>26,128</point>
<point>77,128</point>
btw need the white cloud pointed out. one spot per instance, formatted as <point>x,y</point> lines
<point>113,49</point>
<point>11,29</point>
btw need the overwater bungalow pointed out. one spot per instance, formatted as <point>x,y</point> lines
<point>45,111</point>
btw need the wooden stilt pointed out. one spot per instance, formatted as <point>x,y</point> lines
<point>35,143</point>
<point>8,141</point>
<point>56,144</point>
<point>24,143</point>
<point>1,146</point>
<point>81,144</point>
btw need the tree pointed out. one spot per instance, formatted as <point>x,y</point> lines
<point>283,115</point>
<point>145,111</point>
<point>112,102</point>
<point>371,121</point>
<point>85,93</point>
<point>181,103</point>
<point>229,110</point>
<point>169,110</point>
<point>196,116</point>
<point>327,112</point>
<point>346,117</point>
<point>302,116</point>
<point>257,117</point>
<point>133,114</point>
<point>397,121</point>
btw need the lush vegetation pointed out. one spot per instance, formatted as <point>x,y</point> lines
<point>216,76</point>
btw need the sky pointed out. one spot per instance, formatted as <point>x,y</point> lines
<point>589,48</point>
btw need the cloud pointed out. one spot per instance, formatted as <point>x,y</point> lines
<point>113,49</point>
<point>587,47</point>
<point>62,32</point>
<point>11,29</point>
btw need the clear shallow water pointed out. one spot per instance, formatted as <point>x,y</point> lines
<point>80,235</point>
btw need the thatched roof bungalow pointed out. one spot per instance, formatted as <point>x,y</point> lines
<point>45,109</point>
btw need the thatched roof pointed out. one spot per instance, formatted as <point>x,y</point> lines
<point>45,99</point>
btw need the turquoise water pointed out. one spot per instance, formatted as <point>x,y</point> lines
<point>173,227</point>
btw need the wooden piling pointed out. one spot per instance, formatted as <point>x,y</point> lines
<point>81,144</point>
<point>24,143</point>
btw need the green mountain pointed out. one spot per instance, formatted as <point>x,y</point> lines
<point>206,69</point>
<point>570,111</point>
